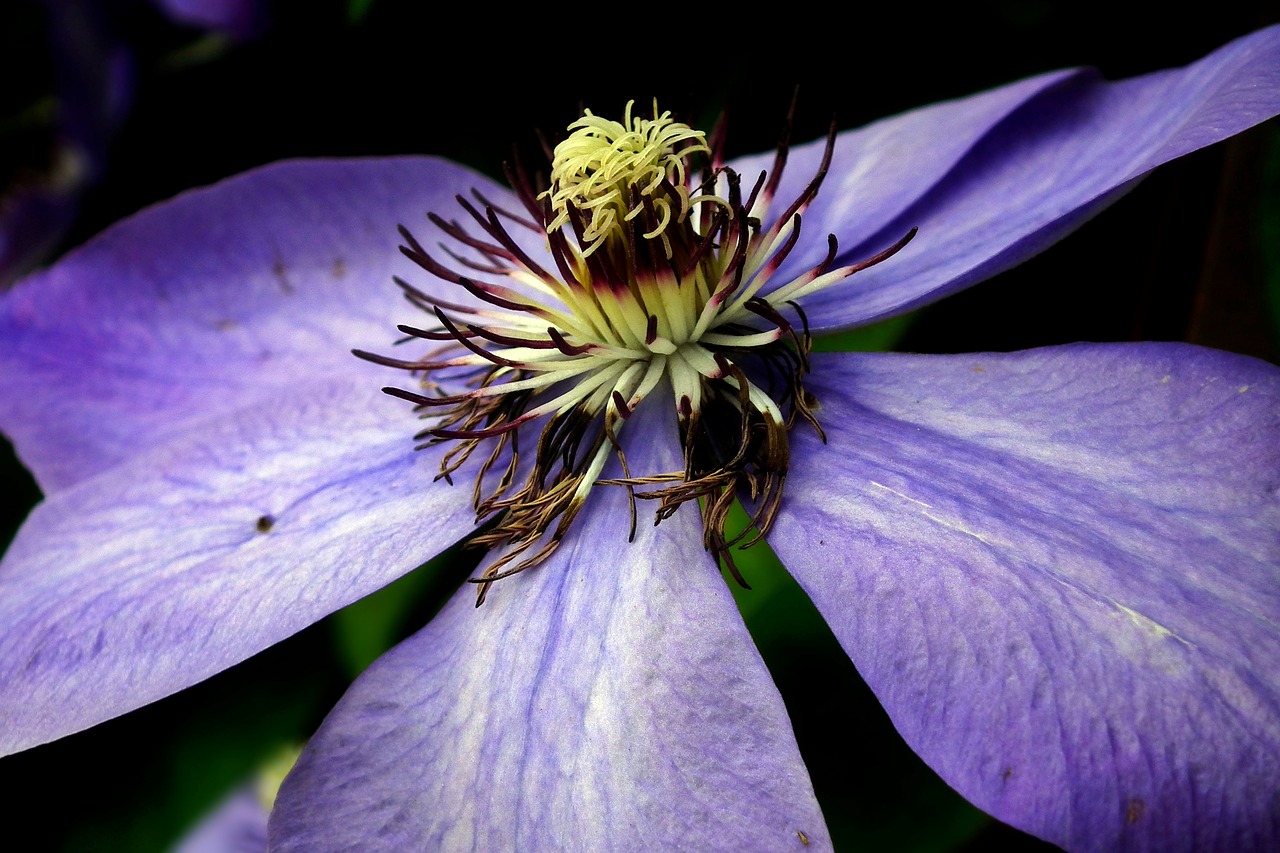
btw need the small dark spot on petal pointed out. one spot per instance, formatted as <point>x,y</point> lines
<point>225,325</point>
<point>265,523</point>
<point>339,268</point>
<point>804,839</point>
<point>1008,771</point>
<point>278,269</point>
<point>1133,814</point>
<point>978,368</point>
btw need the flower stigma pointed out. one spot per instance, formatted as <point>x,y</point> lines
<point>657,280</point>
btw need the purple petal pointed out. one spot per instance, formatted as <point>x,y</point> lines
<point>241,18</point>
<point>202,551</point>
<point>196,307</point>
<point>1059,570</point>
<point>610,699</point>
<point>1035,176</point>
<point>880,170</point>
<point>237,825</point>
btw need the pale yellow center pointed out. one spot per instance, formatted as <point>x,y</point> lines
<point>608,171</point>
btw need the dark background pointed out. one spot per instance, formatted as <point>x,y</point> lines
<point>1184,257</point>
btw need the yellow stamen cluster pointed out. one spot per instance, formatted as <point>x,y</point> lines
<point>609,171</point>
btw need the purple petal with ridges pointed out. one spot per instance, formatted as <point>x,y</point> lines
<point>1057,160</point>
<point>1059,570</point>
<point>880,170</point>
<point>202,551</point>
<point>197,306</point>
<point>610,699</point>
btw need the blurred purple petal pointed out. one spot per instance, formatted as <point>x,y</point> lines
<point>202,551</point>
<point>1058,570</point>
<point>94,70</point>
<point>198,306</point>
<point>242,19</point>
<point>1033,178</point>
<point>237,825</point>
<point>609,699</point>
<point>37,209</point>
<point>94,65</point>
<point>93,60</point>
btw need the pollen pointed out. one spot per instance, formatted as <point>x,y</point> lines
<point>658,282</point>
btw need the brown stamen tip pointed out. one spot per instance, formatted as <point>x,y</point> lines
<point>623,408</point>
<point>563,345</point>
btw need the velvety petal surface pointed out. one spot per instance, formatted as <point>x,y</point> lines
<point>196,554</point>
<point>1048,158</point>
<point>1059,570</point>
<point>218,299</point>
<point>610,699</point>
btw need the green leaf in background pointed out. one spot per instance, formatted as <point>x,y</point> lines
<point>357,10</point>
<point>363,630</point>
<point>878,337</point>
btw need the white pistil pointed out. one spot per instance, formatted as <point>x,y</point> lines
<point>686,382</point>
<point>654,371</point>
<point>662,346</point>
<point>543,380</point>
<point>592,473</point>
<point>758,339</point>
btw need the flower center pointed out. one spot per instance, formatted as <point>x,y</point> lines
<point>609,172</point>
<point>657,281</point>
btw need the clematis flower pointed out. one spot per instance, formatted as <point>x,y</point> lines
<point>1058,569</point>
